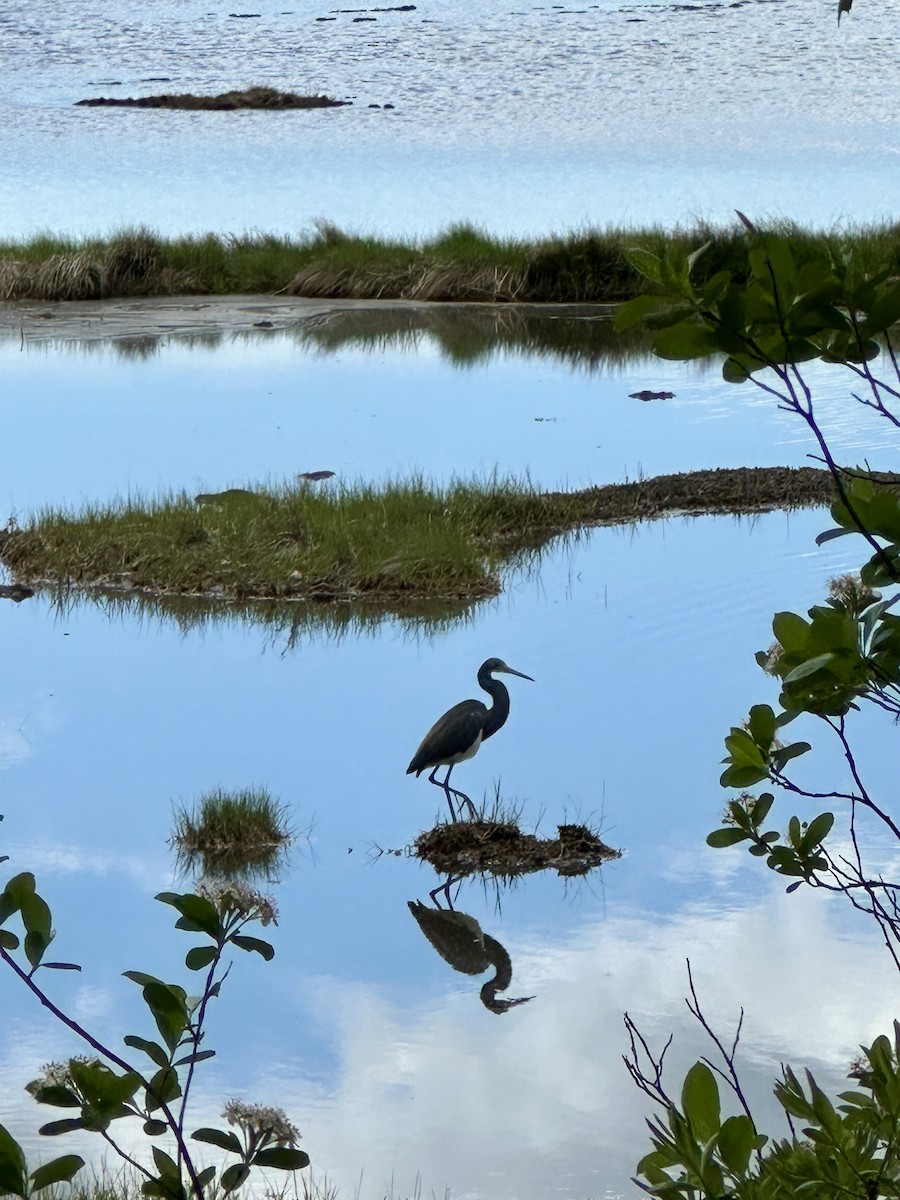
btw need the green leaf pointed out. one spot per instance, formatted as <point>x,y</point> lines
<point>830,534</point>
<point>220,1138</point>
<point>163,1189</point>
<point>67,1125</point>
<point>762,725</point>
<point>60,1170</point>
<point>760,808</point>
<point>153,1050</point>
<point>644,263</point>
<point>816,832</point>
<point>199,957</point>
<point>232,1177</point>
<point>884,313</point>
<point>821,662</point>
<point>154,1128</point>
<point>700,1101</point>
<point>252,943</point>
<point>12,1164</point>
<point>167,1167</point>
<point>786,753</point>
<point>200,1056</point>
<point>53,1094</point>
<point>168,1005</point>
<point>686,341</point>
<point>790,630</point>
<point>634,311</point>
<point>163,1088</point>
<point>105,1091</point>
<point>735,1143</point>
<point>742,777</point>
<point>35,915</point>
<point>728,836</point>
<point>35,944</point>
<point>281,1157</point>
<point>695,254</point>
<point>8,940</point>
<point>197,913</point>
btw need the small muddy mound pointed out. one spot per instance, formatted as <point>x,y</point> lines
<point>501,849</point>
<point>255,97</point>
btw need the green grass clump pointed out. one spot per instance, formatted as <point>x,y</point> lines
<point>393,546</point>
<point>232,834</point>
<point>461,264</point>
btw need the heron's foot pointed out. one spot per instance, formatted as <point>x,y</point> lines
<point>462,798</point>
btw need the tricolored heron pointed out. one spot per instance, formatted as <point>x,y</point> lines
<point>456,735</point>
<point>460,941</point>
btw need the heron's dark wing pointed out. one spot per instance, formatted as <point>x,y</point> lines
<point>453,733</point>
<point>456,936</point>
<point>843,6</point>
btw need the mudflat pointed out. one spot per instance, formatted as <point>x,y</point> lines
<point>166,316</point>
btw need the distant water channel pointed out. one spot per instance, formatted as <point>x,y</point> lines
<point>527,119</point>
<point>641,645</point>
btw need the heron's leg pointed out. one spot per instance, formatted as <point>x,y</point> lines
<point>445,888</point>
<point>455,791</point>
<point>460,796</point>
<point>473,811</point>
<point>447,790</point>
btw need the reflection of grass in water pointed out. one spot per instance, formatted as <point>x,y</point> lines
<point>286,623</point>
<point>232,834</point>
<point>580,337</point>
<point>474,334</point>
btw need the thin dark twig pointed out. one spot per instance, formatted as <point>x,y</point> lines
<point>650,1085</point>
<point>730,1075</point>
<point>125,1155</point>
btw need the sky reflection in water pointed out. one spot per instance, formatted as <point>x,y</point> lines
<point>383,1056</point>
<point>204,417</point>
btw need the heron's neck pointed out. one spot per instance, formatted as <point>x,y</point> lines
<point>499,710</point>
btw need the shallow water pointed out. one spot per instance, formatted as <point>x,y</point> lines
<point>204,416</point>
<point>527,120</point>
<point>641,645</point>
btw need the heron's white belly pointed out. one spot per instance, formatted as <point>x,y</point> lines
<point>464,754</point>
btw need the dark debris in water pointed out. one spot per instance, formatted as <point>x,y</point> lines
<point>501,849</point>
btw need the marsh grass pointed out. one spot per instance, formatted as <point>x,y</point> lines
<point>232,834</point>
<point>253,97</point>
<point>390,546</point>
<point>463,263</point>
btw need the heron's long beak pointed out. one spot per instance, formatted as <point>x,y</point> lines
<point>510,671</point>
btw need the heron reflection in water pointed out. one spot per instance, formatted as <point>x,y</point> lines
<point>456,735</point>
<point>461,942</point>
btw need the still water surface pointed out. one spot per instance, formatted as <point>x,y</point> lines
<point>640,643</point>
<point>527,119</point>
